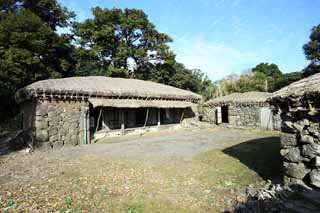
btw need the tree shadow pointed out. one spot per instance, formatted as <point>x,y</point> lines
<point>260,155</point>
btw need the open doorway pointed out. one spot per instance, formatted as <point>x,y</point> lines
<point>224,114</point>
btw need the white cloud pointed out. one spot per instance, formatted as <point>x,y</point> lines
<point>217,60</point>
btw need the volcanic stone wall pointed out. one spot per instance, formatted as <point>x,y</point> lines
<point>57,123</point>
<point>300,146</point>
<point>245,116</point>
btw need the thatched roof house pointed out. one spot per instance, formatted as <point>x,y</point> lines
<point>65,111</point>
<point>240,98</point>
<point>97,88</point>
<point>246,110</point>
<point>299,93</point>
<point>300,130</point>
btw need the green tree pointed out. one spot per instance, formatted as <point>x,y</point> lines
<point>30,49</point>
<point>312,52</point>
<point>119,42</point>
<point>272,73</point>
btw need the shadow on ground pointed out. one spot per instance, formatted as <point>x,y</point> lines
<point>261,155</point>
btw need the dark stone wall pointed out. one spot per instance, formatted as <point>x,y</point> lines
<point>243,116</point>
<point>56,123</point>
<point>300,147</point>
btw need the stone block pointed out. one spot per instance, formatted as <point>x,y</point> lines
<point>306,139</point>
<point>288,140</point>
<point>317,161</point>
<point>311,150</point>
<point>72,140</point>
<point>57,145</point>
<point>53,131</point>
<point>314,132</point>
<point>298,127</point>
<point>294,155</point>
<point>42,135</point>
<point>53,138</point>
<point>315,177</point>
<point>287,126</point>
<point>40,125</point>
<point>295,170</point>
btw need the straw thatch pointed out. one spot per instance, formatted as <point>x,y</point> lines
<point>134,103</point>
<point>105,87</point>
<point>240,98</point>
<point>306,86</point>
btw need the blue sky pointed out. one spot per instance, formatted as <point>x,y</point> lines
<point>223,37</point>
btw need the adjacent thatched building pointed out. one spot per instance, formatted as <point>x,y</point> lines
<point>245,110</point>
<point>66,111</point>
<point>300,137</point>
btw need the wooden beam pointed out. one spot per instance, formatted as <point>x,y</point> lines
<point>145,123</point>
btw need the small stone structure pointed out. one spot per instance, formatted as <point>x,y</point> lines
<point>248,110</point>
<point>65,112</point>
<point>300,130</point>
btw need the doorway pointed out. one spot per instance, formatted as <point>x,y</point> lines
<point>224,114</point>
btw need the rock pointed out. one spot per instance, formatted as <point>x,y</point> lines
<point>283,152</point>
<point>311,150</point>
<point>288,140</point>
<point>306,139</point>
<point>53,131</point>
<point>42,135</point>
<point>57,145</point>
<point>53,138</point>
<point>314,131</point>
<point>298,127</point>
<point>296,170</point>
<point>315,177</point>
<point>294,155</point>
<point>40,125</point>
<point>317,161</point>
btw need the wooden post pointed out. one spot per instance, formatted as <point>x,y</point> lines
<point>182,114</point>
<point>98,121</point>
<point>122,121</point>
<point>147,115</point>
<point>159,122</point>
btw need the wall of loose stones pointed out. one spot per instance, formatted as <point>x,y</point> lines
<point>208,114</point>
<point>300,147</point>
<point>57,123</point>
<point>247,116</point>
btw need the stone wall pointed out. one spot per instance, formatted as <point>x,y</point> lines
<point>247,116</point>
<point>58,123</point>
<point>244,116</point>
<point>208,114</point>
<point>300,147</point>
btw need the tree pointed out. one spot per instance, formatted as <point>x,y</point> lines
<point>272,73</point>
<point>30,49</point>
<point>120,43</point>
<point>312,52</point>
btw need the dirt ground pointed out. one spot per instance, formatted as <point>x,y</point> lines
<point>181,171</point>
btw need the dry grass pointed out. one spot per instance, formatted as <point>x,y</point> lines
<point>209,182</point>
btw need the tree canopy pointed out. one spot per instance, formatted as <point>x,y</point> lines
<point>121,43</point>
<point>30,48</point>
<point>312,52</point>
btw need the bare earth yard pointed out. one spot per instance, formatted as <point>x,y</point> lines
<point>182,171</point>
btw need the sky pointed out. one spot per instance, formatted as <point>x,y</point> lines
<point>223,37</point>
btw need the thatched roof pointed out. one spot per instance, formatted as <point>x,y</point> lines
<point>134,103</point>
<point>240,98</point>
<point>306,86</point>
<point>106,88</point>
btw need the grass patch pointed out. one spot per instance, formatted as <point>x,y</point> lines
<point>205,183</point>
